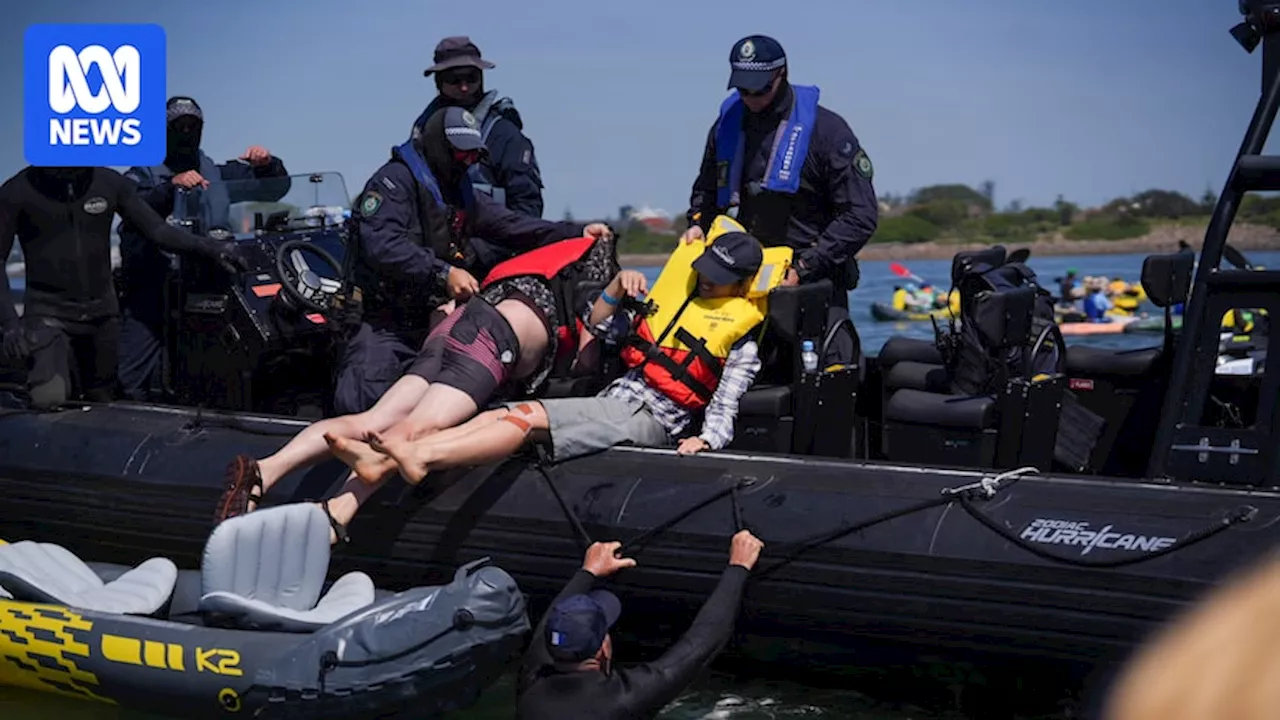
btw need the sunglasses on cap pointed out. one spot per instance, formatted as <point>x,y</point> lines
<point>459,77</point>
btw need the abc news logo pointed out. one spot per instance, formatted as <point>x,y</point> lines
<point>69,89</point>
<point>94,95</point>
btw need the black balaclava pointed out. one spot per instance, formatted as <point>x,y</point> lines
<point>182,151</point>
<point>437,151</point>
<point>61,184</point>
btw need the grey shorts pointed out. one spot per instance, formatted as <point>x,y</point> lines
<point>582,426</point>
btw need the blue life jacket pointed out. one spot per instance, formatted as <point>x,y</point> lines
<point>488,112</point>
<point>790,146</point>
<point>1096,306</point>
<point>409,155</point>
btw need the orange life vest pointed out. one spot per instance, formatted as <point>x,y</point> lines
<point>559,264</point>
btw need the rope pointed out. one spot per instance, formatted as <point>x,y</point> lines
<point>983,489</point>
<point>1235,517</point>
<point>543,465</point>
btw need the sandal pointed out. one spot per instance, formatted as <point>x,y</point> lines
<point>243,484</point>
<point>338,528</point>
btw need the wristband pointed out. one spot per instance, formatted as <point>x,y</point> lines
<point>608,299</point>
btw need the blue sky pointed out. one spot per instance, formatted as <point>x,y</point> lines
<point>1091,98</point>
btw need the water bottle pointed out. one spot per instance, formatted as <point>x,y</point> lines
<point>809,357</point>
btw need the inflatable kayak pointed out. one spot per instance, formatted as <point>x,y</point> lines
<point>1115,326</point>
<point>884,312</point>
<point>251,634</point>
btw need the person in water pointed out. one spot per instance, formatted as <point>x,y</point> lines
<point>651,405</point>
<point>568,671</point>
<point>515,332</point>
<point>794,174</point>
<point>414,219</point>
<point>69,335</point>
<point>189,173</point>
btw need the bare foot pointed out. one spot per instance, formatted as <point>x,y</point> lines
<point>367,463</point>
<point>406,454</point>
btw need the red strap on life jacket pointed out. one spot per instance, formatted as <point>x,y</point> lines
<point>546,261</point>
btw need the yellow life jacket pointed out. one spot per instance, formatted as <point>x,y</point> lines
<point>683,343</point>
<point>899,299</point>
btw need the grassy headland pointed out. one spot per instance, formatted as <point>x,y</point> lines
<point>938,221</point>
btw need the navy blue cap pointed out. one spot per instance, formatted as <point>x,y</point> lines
<point>732,258</point>
<point>753,62</point>
<point>577,625</point>
<point>461,129</point>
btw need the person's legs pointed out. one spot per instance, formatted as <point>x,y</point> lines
<point>140,350</point>
<point>468,358</point>
<point>373,466</point>
<point>577,427</point>
<point>97,353</point>
<point>49,377</point>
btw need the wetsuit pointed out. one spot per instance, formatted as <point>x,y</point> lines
<point>639,691</point>
<point>70,331</point>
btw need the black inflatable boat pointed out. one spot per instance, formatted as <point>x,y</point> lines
<point>251,632</point>
<point>1061,516</point>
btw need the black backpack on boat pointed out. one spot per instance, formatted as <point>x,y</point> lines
<point>1006,327</point>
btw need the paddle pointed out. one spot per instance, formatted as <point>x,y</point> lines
<point>901,271</point>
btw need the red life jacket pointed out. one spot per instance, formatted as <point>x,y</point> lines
<point>560,265</point>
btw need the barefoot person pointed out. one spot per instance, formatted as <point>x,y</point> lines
<point>516,332</point>
<point>568,671</point>
<point>704,304</point>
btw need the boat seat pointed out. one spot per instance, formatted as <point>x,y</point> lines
<point>1093,362</point>
<point>917,376</point>
<point>47,573</point>
<point>898,349</point>
<point>766,400</point>
<point>265,570</point>
<point>939,410</point>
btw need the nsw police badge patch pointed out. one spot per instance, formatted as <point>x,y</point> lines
<point>370,204</point>
<point>862,164</point>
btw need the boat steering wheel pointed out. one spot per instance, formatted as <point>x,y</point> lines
<point>300,286</point>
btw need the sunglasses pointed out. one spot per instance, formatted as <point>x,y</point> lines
<point>759,93</point>
<point>468,77</point>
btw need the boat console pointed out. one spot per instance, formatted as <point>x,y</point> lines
<point>263,339</point>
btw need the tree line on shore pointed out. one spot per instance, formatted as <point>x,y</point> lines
<point>960,213</point>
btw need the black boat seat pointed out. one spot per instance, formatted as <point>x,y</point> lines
<point>766,400</point>
<point>898,349</point>
<point>1092,362</point>
<point>917,376</point>
<point>47,573</point>
<point>938,410</point>
<point>265,571</point>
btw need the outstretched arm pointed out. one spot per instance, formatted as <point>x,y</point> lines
<point>655,684</point>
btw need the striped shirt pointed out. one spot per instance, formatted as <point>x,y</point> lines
<point>740,369</point>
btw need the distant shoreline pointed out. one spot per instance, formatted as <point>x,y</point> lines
<point>1161,239</point>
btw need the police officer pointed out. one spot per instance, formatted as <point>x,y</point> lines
<point>67,339</point>
<point>415,220</point>
<point>809,189</point>
<point>192,184</point>
<point>509,173</point>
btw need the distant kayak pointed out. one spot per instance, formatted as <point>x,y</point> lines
<point>884,312</point>
<point>1116,326</point>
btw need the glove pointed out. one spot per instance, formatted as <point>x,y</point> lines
<point>15,348</point>
<point>227,254</point>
